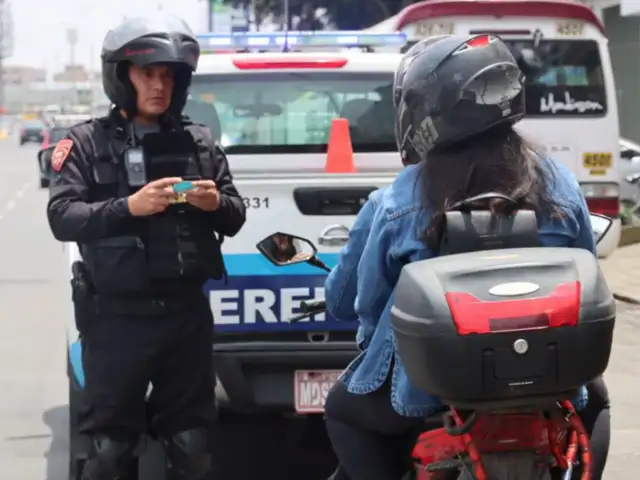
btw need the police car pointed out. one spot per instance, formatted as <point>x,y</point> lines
<point>274,113</point>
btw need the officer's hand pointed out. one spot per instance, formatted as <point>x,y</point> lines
<point>154,197</point>
<point>205,195</point>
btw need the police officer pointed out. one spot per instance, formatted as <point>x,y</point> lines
<point>148,247</point>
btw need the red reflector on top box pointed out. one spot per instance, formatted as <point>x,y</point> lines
<point>471,315</point>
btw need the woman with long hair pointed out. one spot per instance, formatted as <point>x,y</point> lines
<point>457,101</point>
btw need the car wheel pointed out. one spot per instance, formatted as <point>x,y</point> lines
<point>244,432</point>
<point>76,460</point>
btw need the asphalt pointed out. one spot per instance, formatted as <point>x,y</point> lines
<point>33,298</point>
<point>34,301</point>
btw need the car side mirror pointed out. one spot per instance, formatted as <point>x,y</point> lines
<point>601,226</point>
<point>44,160</point>
<point>633,179</point>
<point>285,249</point>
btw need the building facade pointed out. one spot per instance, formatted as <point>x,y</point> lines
<point>23,75</point>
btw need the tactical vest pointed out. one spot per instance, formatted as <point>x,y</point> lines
<point>178,247</point>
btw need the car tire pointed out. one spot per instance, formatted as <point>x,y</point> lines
<point>76,461</point>
<point>240,429</point>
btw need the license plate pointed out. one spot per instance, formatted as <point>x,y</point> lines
<point>597,160</point>
<point>311,389</point>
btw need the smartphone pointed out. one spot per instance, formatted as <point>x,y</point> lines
<point>183,187</point>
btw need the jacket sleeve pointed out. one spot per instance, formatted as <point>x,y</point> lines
<point>341,285</point>
<point>577,221</point>
<point>72,217</point>
<point>585,238</point>
<point>381,269</point>
<point>231,214</point>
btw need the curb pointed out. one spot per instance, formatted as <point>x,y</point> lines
<point>626,299</point>
<point>630,235</point>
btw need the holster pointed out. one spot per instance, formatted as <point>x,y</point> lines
<point>83,297</point>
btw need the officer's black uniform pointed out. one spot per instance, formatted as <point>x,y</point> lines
<point>138,294</point>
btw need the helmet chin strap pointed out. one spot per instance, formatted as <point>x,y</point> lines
<point>169,118</point>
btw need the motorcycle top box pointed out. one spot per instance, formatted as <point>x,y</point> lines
<point>504,328</point>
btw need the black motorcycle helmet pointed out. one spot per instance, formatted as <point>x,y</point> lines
<point>415,50</point>
<point>408,155</point>
<point>144,41</point>
<point>455,88</point>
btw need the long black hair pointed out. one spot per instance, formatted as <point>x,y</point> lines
<point>497,160</point>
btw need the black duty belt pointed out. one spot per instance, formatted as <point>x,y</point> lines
<point>149,304</point>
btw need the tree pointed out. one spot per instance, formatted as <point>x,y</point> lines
<point>345,14</point>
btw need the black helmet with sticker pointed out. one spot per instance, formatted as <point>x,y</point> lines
<point>455,88</point>
<point>144,41</point>
<point>408,155</point>
<point>415,50</point>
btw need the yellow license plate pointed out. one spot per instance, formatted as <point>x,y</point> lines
<point>597,160</point>
<point>570,29</point>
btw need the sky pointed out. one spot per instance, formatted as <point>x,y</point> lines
<point>40,27</point>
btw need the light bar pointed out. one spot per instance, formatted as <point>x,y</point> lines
<point>213,42</point>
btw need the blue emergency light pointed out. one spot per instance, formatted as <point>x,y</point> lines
<point>278,41</point>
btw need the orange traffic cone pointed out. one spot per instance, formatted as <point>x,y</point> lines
<point>339,151</point>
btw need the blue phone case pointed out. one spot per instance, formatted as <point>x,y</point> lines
<point>183,187</point>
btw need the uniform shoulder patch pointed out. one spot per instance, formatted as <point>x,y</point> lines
<point>60,154</point>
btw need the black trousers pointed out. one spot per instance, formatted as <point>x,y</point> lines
<point>373,442</point>
<point>128,346</point>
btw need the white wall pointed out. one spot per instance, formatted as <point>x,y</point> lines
<point>627,7</point>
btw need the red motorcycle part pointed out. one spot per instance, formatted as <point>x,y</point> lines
<point>547,436</point>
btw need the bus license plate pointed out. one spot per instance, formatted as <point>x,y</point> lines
<point>311,389</point>
<point>597,160</point>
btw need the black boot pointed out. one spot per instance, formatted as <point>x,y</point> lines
<point>110,460</point>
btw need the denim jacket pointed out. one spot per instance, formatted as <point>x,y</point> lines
<point>392,242</point>
<point>342,283</point>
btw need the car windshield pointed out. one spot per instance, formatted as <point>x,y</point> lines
<point>570,82</point>
<point>278,112</point>
<point>57,134</point>
<point>32,124</point>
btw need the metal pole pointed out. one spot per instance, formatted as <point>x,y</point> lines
<point>3,46</point>
<point>72,40</point>
<point>210,14</point>
<point>286,16</point>
<point>6,46</point>
<point>286,26</point>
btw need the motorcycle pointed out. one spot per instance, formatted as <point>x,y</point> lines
<point>505,370</point>
<point>631,205</point>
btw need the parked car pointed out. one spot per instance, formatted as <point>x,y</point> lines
<point>32,131</point>
<point>51,138</point>
<point>629,166</point>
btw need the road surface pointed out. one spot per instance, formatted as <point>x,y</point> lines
<point>34,297</point>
